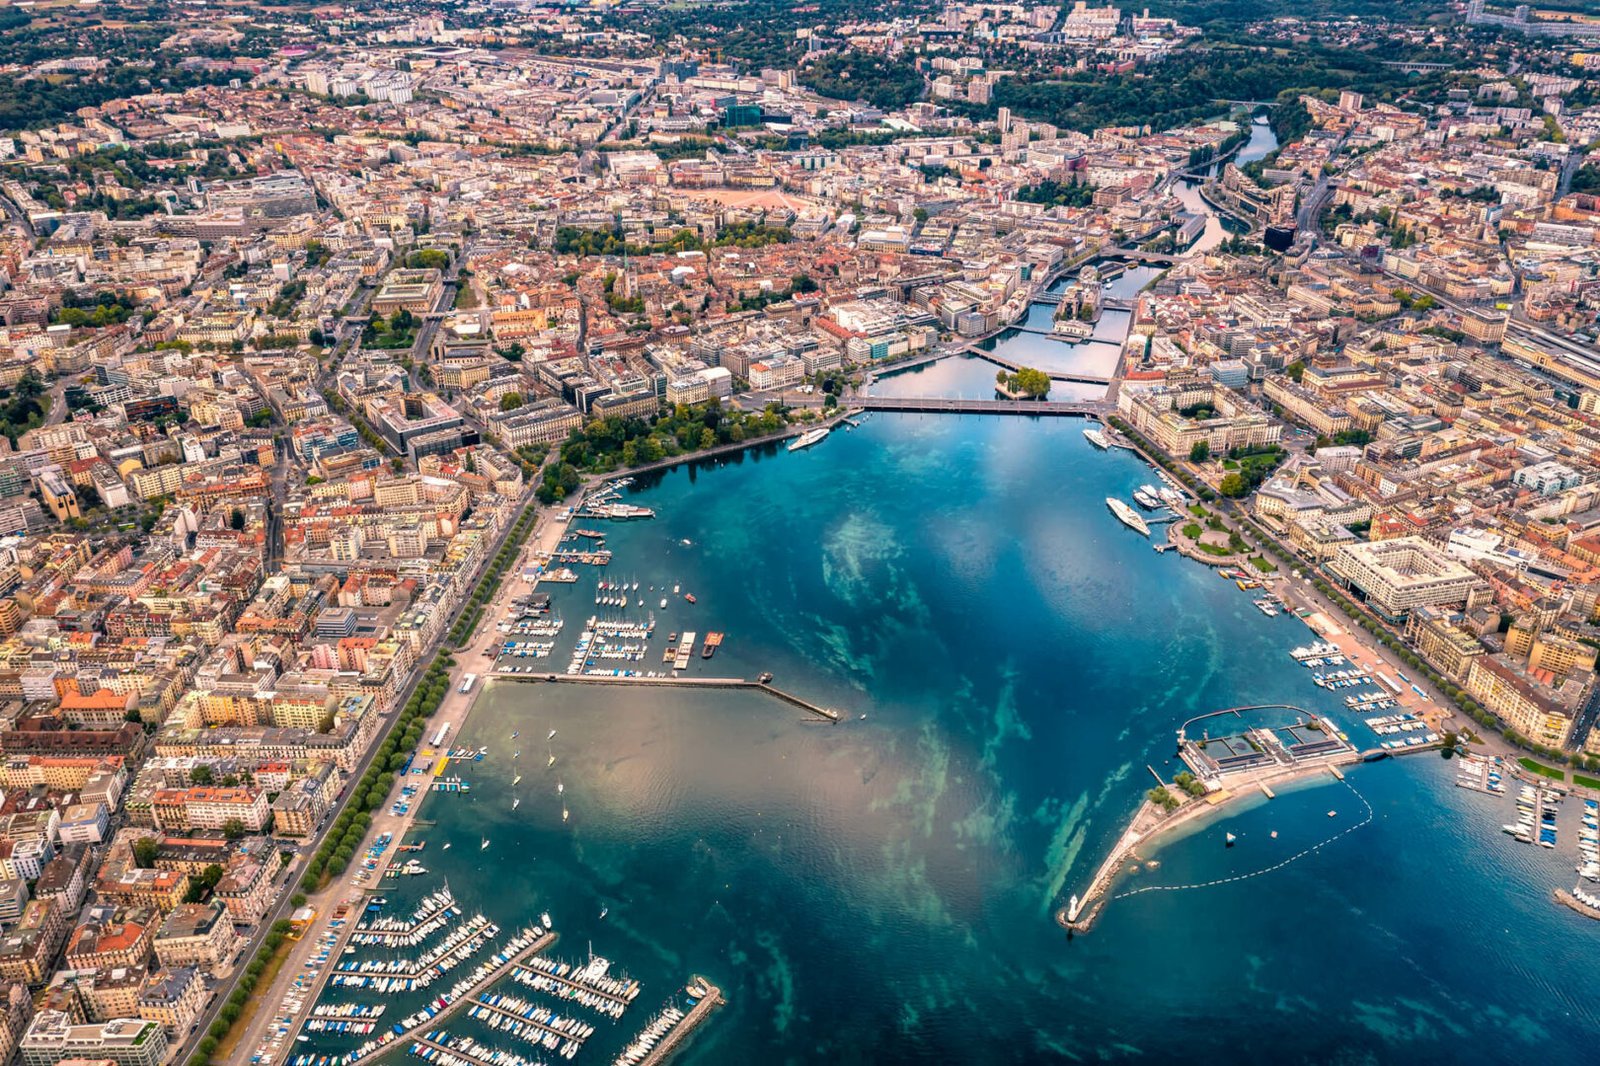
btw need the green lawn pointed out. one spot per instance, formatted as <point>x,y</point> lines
<point>1586,781</point>
<point>1213,549</point>
<point>1541,769</point>
<point>1260,563</point>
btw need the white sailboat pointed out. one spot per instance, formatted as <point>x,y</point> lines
<point>517,779</point>
<point>516,802</point>
<point>560,788</point>
<point>565,813</point>
<point>484,845</point>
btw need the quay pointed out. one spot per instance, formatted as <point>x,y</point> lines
<point>1072,409</point>
<point>709,1001</point>
<point>829,713</point>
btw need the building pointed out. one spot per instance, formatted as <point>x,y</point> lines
<point>246,889</point>
<point>196,934</point>
<point>1395,576</point>
<point>1547,478</point>
<point>173,998</point>
<point>107,945</point>
<point>29,949</point>
<point>1540,707</point>
<point>210,808</point>
<point>1159,412</point>
<point>124,1041</point>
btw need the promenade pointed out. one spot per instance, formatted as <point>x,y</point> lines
<point>299,982</point>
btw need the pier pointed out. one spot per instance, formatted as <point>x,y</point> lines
<point>829,713</point>
<point>709,1001</point>
<point>1036,408</point>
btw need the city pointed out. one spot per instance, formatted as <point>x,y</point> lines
<point>348,351</point>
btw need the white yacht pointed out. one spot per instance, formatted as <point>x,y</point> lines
<point>1127,515</point>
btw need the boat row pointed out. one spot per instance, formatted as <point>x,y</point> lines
<point>1410,742</point>
<point>341,1026</point>
<point>1320,650</point>
<point>349,1010</point>
<point>531,1022</point>
<point>651,1035</point>
<point>588,986</point>
<point>464,1051</point>
<point>1589,842</point>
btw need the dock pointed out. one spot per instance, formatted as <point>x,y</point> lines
<point>1567,899</point>
<point>828,713</point>
<point>710,1001</point>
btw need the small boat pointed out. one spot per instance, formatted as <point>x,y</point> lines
<point>516,802</point>
<point>517,754</point>
<point>484,845</point>
<point>690,597</point>
<point>514,781</point>
<point>565,814</point>
<point>552,735</point>
<point>446,846</point>
<point>560,788</point>
<point>544,919</point>
<point>674,589</point>
<point>663,603</point>
<point>1274,834</point>
<point>551,763</point>
<point>1333,814</point>
<point>604,911</point>
<point>1228,839</point>
<point>513,734</point>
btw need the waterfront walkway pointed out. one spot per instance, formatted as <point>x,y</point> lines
<point>829,713</point>
<point>937,405</point>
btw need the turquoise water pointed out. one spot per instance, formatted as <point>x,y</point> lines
<point>881,891</point>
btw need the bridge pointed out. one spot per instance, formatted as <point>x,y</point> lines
<point>1060,409</point>
<point>1139,255</point>
<point>1417,68</point>
<point>1054,375</point>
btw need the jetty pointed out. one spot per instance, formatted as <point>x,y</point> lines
<point>709,1000</point>
<point>829,713</point>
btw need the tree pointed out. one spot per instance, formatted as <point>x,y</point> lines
<point>236,519</point>
<point>1233,486</point>
<point>511,401</point>
<point>202,775</point>
<point>233,829</point>
<point>144,852</point>
<point>1200,452</point>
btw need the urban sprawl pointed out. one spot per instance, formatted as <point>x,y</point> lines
<point>307,313</point>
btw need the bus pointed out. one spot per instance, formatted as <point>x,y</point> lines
<point>467,681</point>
